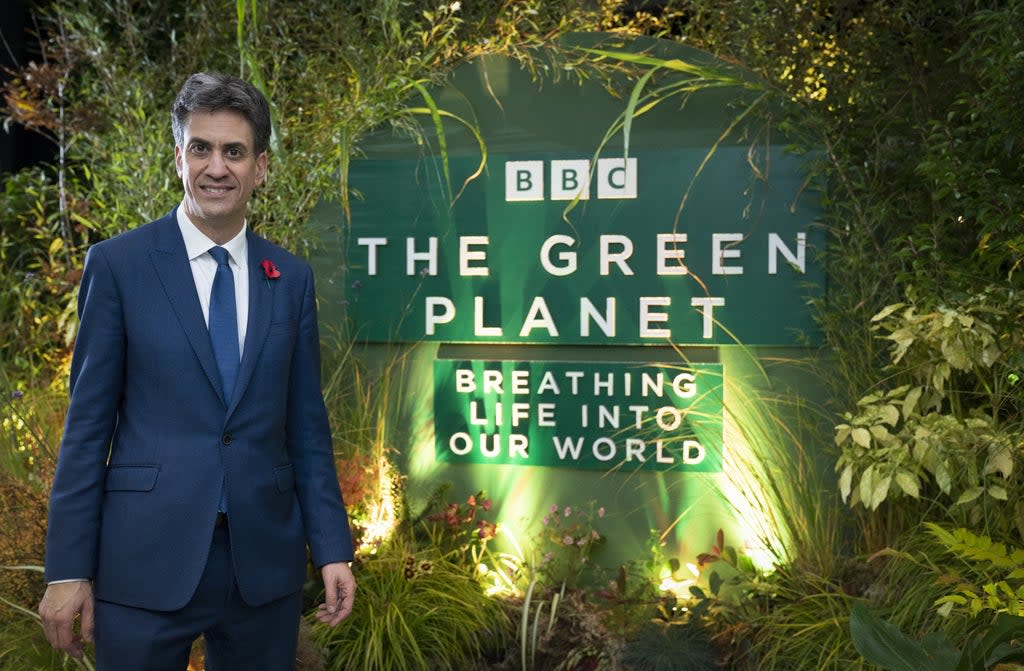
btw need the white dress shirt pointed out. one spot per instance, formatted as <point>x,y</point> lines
<point>204,267</point>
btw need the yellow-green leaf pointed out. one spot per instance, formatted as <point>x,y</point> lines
<point>908,483</point>
<point>997,492</point>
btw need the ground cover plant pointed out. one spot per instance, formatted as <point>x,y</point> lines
<point>911,506</point>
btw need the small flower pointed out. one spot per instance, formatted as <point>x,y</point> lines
<point>456,6</point>
<point>17,393</point>
<point>471,501</point>
<point>568,511</point>
<point>600,511</point>
<point>487,504</point>
<point>582,541</point>
<point>486,529</point>
<point>554,507</point>
<point>270,270</point>
<point>426,567</point>
<point>547,520</point>
<point>568,540</point>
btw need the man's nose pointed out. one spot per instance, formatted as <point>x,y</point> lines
<point>217,165</point>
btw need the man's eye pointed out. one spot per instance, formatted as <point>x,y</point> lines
<point>199,149</point>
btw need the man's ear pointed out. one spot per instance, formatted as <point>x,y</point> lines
<point>177,160</point>
<point>261,168</point>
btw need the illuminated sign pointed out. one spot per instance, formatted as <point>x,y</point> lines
<point>585,415</point>
<point>503,265</point>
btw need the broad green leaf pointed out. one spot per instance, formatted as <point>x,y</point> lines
<point>845,481</point>
<point>908,483</point>
<point>1000,460</point>
<point>942,477</point>
<point>910,402</point>
<point>880,491</point>
<point>885,646</point>
<point>886,311</point>
<point>880,433</point>
<point>867,485</point>
<point>861,436</point>
<point>997,492</point>
<point>970,495</point>
<point>890,415</point>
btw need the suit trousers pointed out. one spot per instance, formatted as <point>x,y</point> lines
<point>237,636</point>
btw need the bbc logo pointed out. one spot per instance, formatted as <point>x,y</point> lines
<point>570,179</point>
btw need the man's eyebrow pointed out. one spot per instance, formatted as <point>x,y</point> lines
<point>227,145</point>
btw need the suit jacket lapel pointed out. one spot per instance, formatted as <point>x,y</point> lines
<point>261,310</point>
<point>172,267</point>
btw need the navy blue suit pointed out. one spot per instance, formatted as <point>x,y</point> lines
<point>149,438</point>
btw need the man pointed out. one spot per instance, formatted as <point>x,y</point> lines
<point>196,462</point>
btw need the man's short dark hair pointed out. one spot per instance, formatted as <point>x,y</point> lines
<point>213,92</point>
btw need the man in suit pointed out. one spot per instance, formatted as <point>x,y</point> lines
<point>196,463</point>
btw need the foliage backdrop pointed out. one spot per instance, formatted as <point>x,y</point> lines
<point>915,102</point>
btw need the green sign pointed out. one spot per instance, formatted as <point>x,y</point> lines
<point>536,224</point>
<point>603,416</point>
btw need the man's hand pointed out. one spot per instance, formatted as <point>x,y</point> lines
<point>61,603</point>
<point>341,593</point>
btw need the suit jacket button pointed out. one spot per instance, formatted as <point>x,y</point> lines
<point>226,439</point>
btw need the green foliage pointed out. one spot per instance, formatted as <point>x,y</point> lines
<point>667,646</point>
<point>998,569</point>
<point>415,611</point>
<point>24,646</point>
<point>566,542</point>
<point>886,646</point>
<point>947,426</point>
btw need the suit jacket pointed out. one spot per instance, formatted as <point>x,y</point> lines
<point>149,438</point>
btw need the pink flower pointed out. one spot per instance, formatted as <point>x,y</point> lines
<point>472,500</point>
<point>568,540</point>
<point>487,504</point>
<point>568,511</point>
<point>600,511</point>
<point>270,270</point>
<point>547,520</point>
<point>554,507</point>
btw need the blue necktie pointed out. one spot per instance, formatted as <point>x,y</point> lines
<point>224,322</point>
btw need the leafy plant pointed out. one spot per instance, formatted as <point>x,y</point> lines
<point>415,611</point>
<point>672,646</point>
<point>884,645</point>
<point>566,542</point>
<point>946,426</point>
<point>999,569</point>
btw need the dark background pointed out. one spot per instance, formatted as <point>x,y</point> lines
<point>18,45</point>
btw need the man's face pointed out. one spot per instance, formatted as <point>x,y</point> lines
<point>219,168</point>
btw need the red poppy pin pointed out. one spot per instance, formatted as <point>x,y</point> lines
<point>270,270</point>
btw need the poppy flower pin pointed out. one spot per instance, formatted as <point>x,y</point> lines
<point>270,270</point>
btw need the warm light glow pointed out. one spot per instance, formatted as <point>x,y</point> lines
<point>382,517</point>
<point>680,588</point>
<point>501,579</point>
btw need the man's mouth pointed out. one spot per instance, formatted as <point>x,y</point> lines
<point>215,189</point>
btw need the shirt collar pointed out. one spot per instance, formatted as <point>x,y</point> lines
<point>197,243</point>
